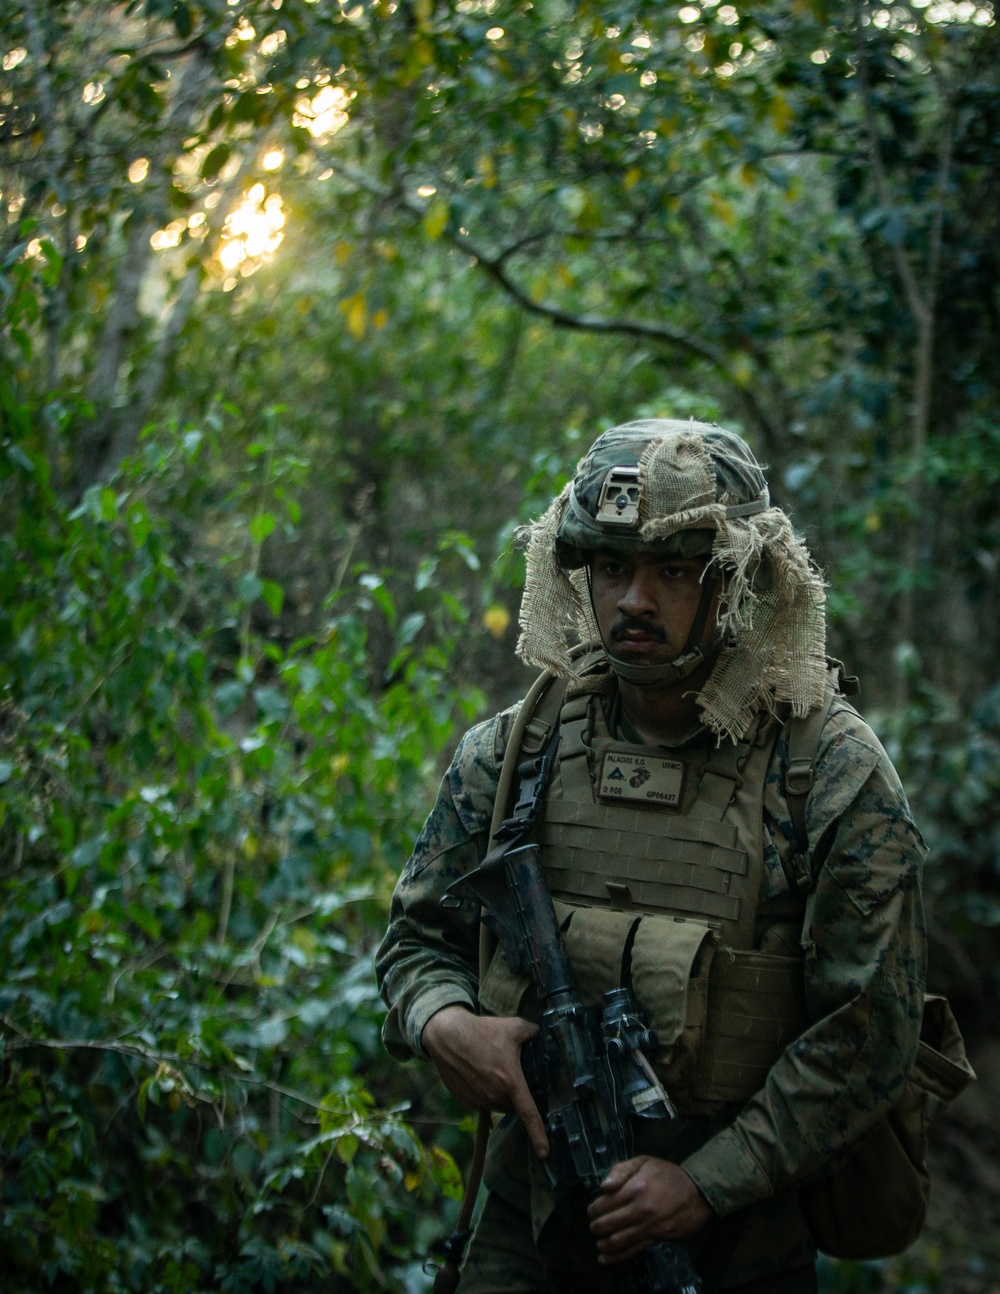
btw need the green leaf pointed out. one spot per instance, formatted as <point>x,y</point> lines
<point>53,263</point>
<point>347,1147</point>
<point>145,920</point>
<point>215,160</point>
<point>261,526</point>
<point>445,1172</point>
<point>274,595</point>
<point>249,587</point>
<point>182,19</point>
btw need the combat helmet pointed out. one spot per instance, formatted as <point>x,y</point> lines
<point>691,489</point>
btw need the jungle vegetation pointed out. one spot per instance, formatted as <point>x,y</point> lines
<point>305,306</point>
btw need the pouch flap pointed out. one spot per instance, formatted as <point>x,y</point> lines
<point>663,956</point>
<point>501,991</point>
<point>595,944</point>
<point>942,1067</point>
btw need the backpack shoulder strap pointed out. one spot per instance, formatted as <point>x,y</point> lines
<point>533,727</point>
<point>804,738</point>
<point>804,735</point>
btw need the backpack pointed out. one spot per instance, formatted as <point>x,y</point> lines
<point>874,1204</point>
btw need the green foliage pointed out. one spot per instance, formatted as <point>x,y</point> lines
<point>199,849</point>
<point>243,505</point>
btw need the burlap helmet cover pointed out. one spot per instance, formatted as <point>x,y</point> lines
<point>695,479</point>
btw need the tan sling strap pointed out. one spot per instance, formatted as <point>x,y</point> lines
<point>528,735</point>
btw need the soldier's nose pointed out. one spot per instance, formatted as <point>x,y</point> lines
<point>637,599</point>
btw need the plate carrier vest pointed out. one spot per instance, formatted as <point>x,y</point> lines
<point>664,897</point>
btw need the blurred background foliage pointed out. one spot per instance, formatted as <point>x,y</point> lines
<point>304,306</point>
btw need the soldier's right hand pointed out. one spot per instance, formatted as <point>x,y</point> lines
<point>479,1060</point>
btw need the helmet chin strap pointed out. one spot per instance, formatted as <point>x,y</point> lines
<point>683,666</point>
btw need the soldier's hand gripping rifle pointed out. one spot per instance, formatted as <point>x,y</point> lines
<point>586,1067</point>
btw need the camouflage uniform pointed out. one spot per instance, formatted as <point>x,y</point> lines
<point>692,490</point>
<point>864,979</point>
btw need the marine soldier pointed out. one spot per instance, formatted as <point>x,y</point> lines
<point>721,832</point>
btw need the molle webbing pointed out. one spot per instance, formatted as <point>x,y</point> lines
<point>659,872</point>
<point>689,864</point>
<point>609,864</point>
<point>756,1006</point>
<point>668,899</point>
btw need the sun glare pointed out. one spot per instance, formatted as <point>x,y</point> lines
<point>323,114</point>
<point>253,231</point>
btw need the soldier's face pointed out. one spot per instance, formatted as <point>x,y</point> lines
<point>645,604</point>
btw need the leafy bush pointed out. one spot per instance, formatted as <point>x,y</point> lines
<point>201,825</point>
<point>949,760</point>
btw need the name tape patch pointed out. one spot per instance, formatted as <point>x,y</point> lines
<point>646,778</point>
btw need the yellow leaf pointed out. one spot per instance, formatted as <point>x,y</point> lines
<point>341,252</point>
<point>723,208</point>
<point>380,318</point>
<point>567,280</point>
<point>356,314</point>
<point>487,171</point>
<point>436,219</point>
<point>496,619</point>
<point>794,189</point>
<point>250,847</point>
<point>747,173</point>
<point>632,177</point>
<point>781,114</point>
<point>303,937</point>
<point>339,763</point>
<point>741,370</point>
<point>411,1181</point>
<point>420,55</point>
<point>873,522</point>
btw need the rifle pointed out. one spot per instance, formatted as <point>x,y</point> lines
<point>586,1067</point>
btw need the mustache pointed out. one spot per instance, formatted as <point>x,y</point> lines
<point>625,623</point>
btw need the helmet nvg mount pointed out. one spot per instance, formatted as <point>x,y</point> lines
<point>687,489</point>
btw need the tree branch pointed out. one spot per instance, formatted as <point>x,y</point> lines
<point>919,307</point>
<point>647,330</point>
<point>25,1042</point>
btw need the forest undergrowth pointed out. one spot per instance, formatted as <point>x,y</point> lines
<point>304,308</point>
